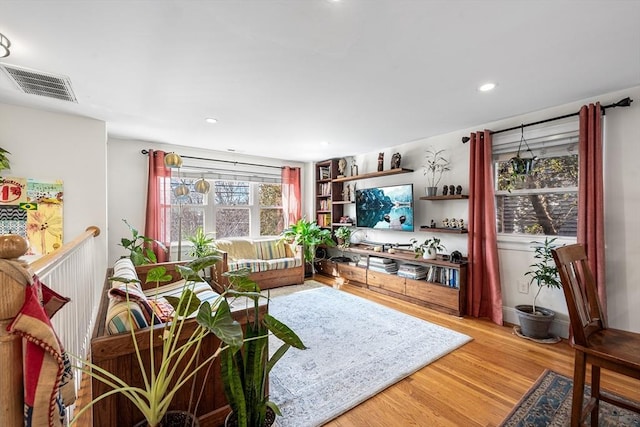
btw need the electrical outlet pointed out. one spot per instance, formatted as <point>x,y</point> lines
<point>523,287</point>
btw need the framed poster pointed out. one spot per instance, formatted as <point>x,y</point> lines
<point>32,208</point>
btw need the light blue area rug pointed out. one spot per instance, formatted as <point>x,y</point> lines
<point>357,348</point>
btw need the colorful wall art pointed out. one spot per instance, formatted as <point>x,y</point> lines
<point>32,208</point>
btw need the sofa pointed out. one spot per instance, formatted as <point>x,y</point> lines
<point>112,345</point>
<point>272,262</point>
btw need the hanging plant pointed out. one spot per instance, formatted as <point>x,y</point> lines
<point>4,160</point>
<point>522,166</point>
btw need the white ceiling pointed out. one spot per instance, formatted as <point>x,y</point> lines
<point>281,76</point>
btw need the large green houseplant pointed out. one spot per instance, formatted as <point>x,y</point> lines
<point>534,320</point>
<point>245,371</point>
<point>310,235</point>
<point>162,379</point>
<point>140,246</point>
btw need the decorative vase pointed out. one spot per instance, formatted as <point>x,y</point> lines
<point>428,254</point>
<point>432,191</point>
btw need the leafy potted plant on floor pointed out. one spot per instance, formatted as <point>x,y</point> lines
<point>201,244</point>
<point>310,235</point>
<point>245,371</point>
<point>162,380</point>
<point>428,249</point>
<point>534,320</point>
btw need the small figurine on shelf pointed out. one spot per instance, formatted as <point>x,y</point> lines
<point>453,223</point>
<point>395,161</point>
<point>354,168</point>
<point>342,168</point>
<point>380,162</point>
<point>461,224</point>
<point>445,223</point>
<point>445,190</point>
<point>452,190</point>
<point>346,193</point>
<point>459,189</point>
<point>433,224</point>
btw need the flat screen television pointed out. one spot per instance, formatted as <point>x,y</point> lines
<point>385,208</point>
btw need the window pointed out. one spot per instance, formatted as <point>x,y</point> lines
<point>233,209</point>
<point>545,202</point>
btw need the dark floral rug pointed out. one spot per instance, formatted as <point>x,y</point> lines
<point>548,403</point>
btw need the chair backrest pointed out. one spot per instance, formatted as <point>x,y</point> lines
<point>579,287</point>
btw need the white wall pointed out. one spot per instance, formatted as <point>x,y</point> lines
<point>622,200</point>
<point>127,176</point>
<point>48,146</point>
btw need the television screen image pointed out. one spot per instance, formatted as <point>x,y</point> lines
<point>387,208</point>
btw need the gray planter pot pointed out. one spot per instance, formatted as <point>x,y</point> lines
<point>535,325</point>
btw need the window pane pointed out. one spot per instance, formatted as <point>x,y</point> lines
<point>552,214</point>
<point>270,194</point>
<point>271,222</point>
<point>549,172</point>
<point>193,198</point>
<point>231,193</point>
<point>192,218</point>
<point>232,222</point>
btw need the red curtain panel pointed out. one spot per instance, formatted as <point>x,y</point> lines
<point>291,202</point>
<point>591,195</point>
<point>158,214</point>
<point>484,292</point>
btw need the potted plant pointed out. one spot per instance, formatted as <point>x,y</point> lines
<point>139,247</point>
<point>310,235</point>
<point>343,234</point>
<point>534,320</point>
<point>245,371</point>
<point>201,244</point>
<point>435,166</point>
<point>428,249</point>
<point>162,379</point>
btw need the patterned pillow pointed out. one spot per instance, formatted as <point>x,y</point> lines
<point>123,315</point>
<point>270,249</point>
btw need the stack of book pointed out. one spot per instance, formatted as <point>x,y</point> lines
<point>384,265</point>
<point>412,271</point>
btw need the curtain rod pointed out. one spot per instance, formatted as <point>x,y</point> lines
<point>223,161</point>
<point>626,102</point>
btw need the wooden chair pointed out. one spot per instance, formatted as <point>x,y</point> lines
<point>593,341</point>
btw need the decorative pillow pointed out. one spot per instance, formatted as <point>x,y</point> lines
<point>237,248</point>
<point>118,319</point>
<point>270,249</point>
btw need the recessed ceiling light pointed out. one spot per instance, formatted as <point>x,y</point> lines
<point>324,143</point>
<point>211,120</point>
<point>487,87</point>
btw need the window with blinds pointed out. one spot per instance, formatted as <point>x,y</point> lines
<point>544,202</point>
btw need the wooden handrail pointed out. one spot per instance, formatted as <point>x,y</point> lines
<point>41,265</point>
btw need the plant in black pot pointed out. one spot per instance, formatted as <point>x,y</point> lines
<point>534,320</point>
<point>310,235</point>
<point>245,370</point>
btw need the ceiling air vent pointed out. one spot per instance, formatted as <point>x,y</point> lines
<point>39,83</point>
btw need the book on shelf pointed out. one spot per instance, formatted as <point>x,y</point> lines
<point>324,172</point>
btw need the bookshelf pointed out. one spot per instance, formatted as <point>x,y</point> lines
<point>329,203</point>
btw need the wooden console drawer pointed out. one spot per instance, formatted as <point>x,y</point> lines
<point>390,282</point>
<point>433,293</point>
<point>327,267</point>
<point>351,272</point>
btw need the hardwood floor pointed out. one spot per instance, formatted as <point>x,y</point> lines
<point>475,385</point>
